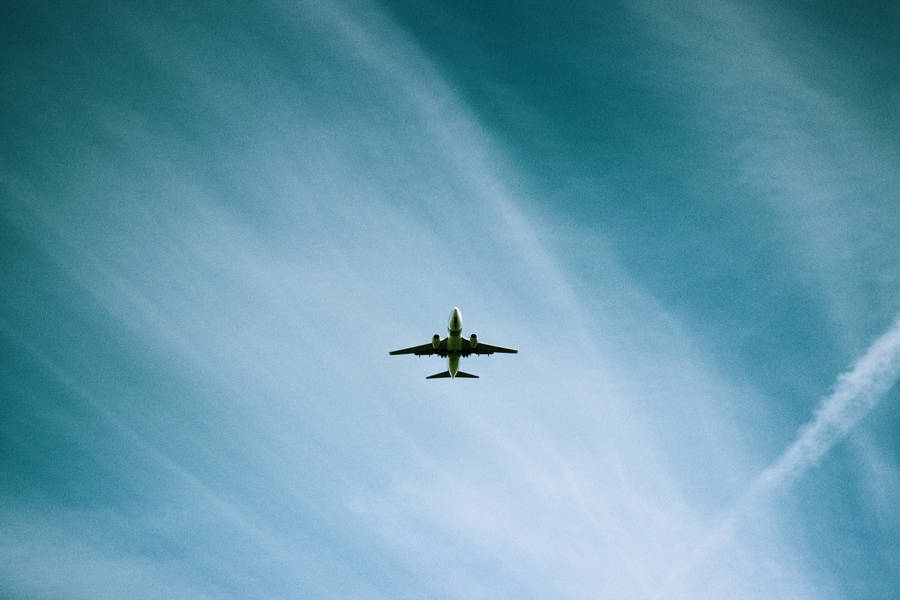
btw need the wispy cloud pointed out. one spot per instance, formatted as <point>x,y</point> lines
<point>248,255</point>
<point>855,394</point>
<point>795,144</point>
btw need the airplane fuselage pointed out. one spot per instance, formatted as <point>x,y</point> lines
<point>454,341</point>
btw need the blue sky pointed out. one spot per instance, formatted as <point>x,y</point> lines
<point>217,220</point>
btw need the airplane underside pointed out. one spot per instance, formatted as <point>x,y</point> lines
<point>453,347</point>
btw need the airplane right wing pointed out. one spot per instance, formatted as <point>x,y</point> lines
<point>425,349</point>
<point>482,348</point>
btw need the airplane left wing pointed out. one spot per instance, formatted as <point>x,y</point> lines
<point>482,348</point>
<point>425,349</point>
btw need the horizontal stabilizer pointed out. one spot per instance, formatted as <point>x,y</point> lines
<point>445,374</point>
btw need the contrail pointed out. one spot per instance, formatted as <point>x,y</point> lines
<point>855,394</point>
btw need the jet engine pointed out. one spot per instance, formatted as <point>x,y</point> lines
<point>435,341</point>
<point>473,341</point>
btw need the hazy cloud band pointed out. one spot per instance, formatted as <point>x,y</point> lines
<point>856,393</point>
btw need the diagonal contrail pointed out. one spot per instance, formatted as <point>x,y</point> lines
<point>856,393</point>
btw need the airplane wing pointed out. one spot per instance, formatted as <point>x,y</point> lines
<point>482,348</point>
<point>425,349</point>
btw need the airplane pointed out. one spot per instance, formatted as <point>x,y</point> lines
<point>453,346</point>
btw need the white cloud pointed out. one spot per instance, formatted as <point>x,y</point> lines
<point>856,393</point>
<point>758,85</point>
<point>551,481</point>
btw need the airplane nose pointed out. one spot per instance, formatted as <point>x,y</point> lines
<point>455,320</point>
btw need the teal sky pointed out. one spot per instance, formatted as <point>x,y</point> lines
<point>218,219</point>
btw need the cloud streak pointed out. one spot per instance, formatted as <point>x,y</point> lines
<point>238,252</point>
<point>856,393</point>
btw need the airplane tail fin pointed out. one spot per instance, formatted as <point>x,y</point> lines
<point>445,374</point>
